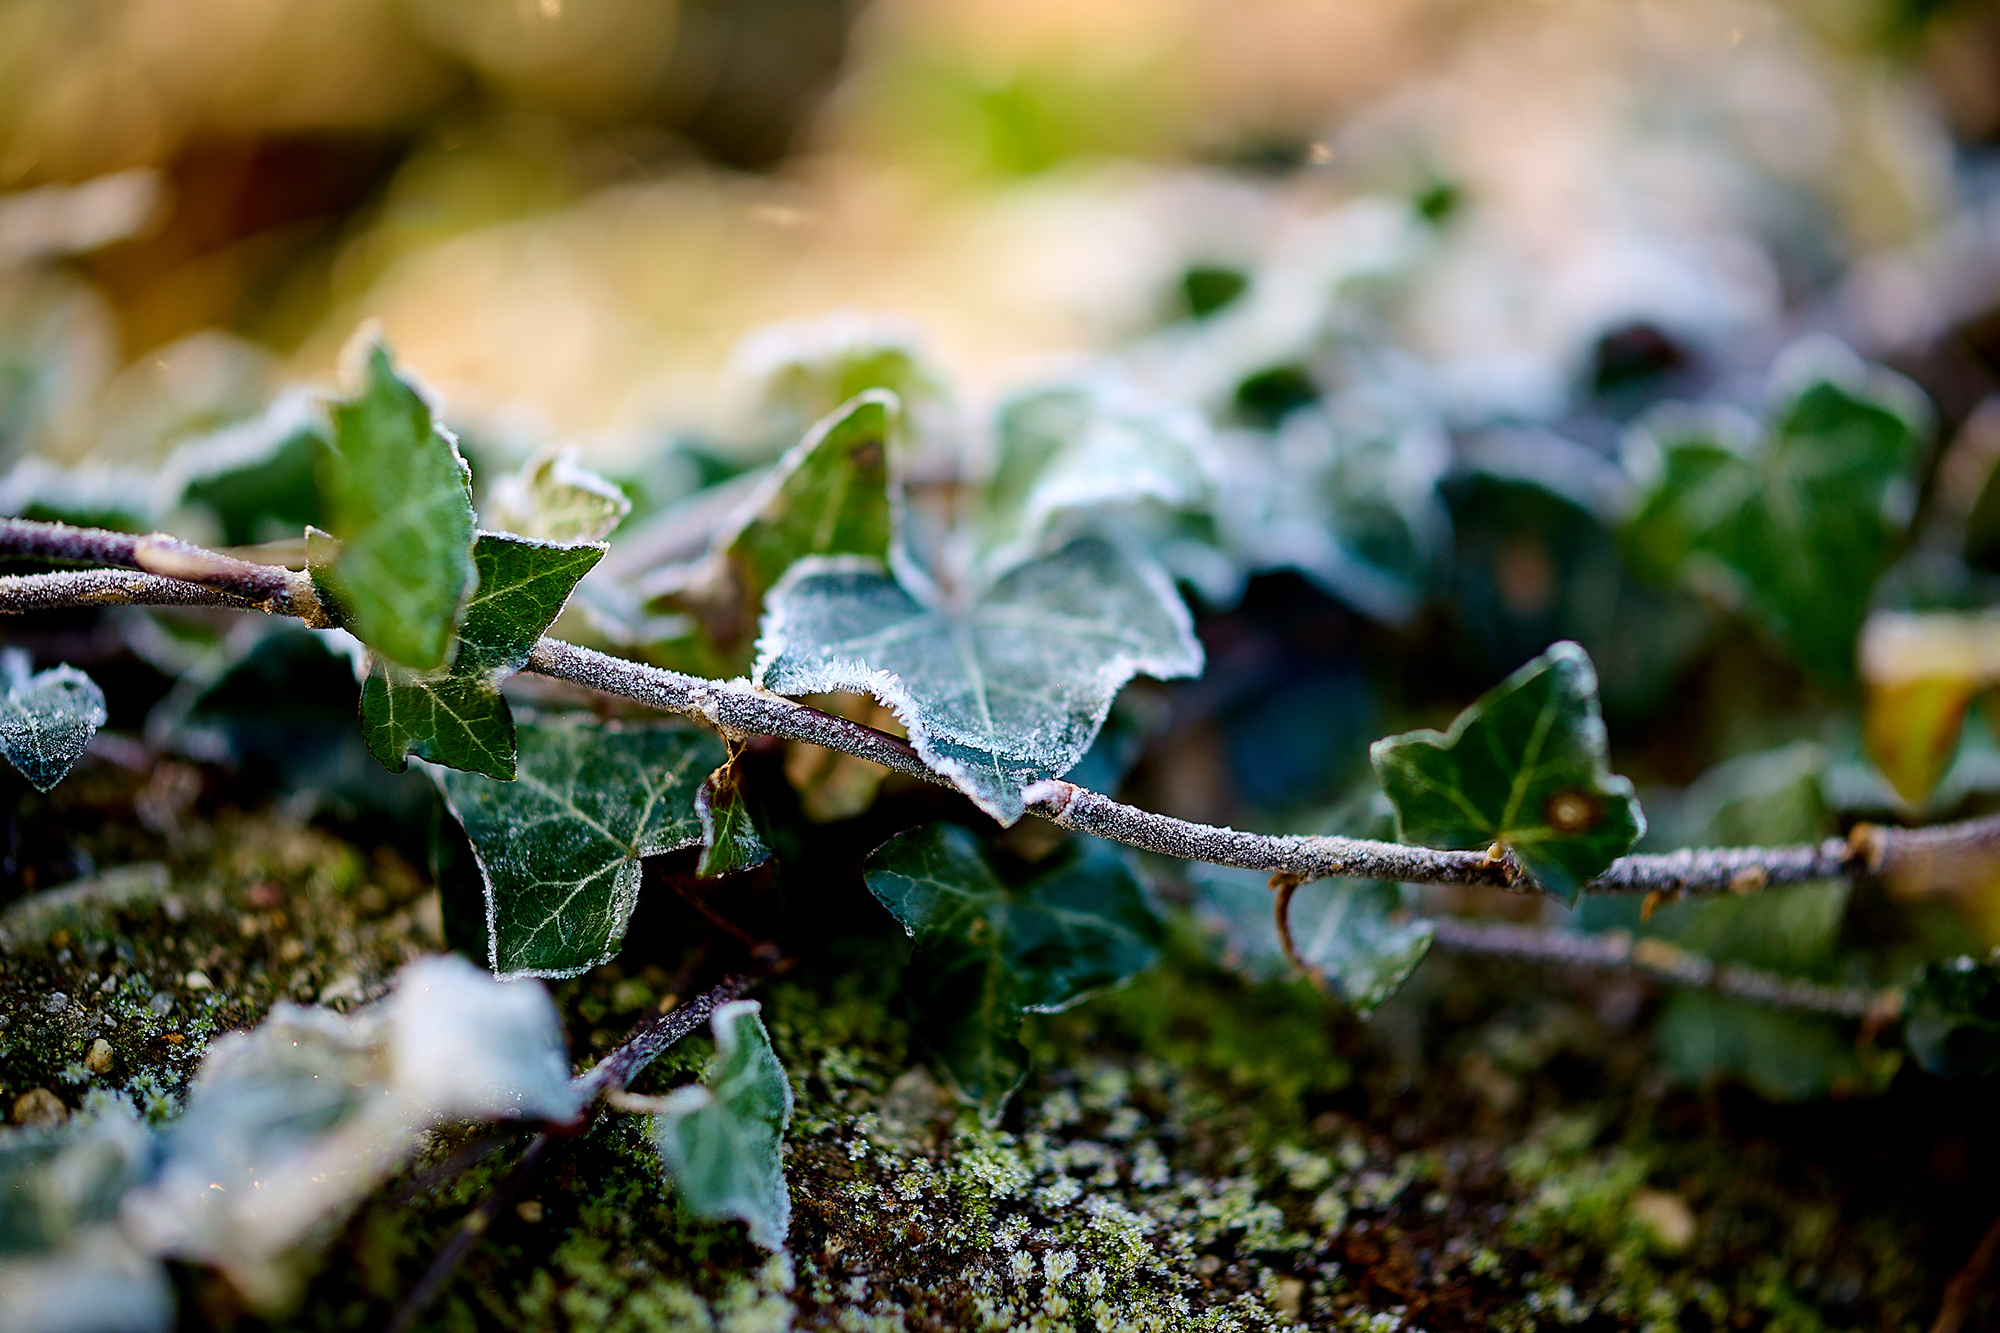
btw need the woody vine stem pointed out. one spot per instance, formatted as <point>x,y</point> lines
<point>158,570</point>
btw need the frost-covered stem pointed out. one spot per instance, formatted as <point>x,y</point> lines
<point>271,588</point>
<point>737,709</point>
<point>1617,951</point>
<point>617,1070</point>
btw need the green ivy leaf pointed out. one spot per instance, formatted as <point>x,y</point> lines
<point>294,1122</point>
<point>1525,768</point>
<point>1346,493</point>
<point>554,498</point>
<point>830,495</point>
<point>399,500</point>
<point>457,715</point>
<point>559,847</point>
<point>997,694</point>
<point>986,953</point>
<point>1357,935</point>
<point>260,478</point>
<point>46,719</point>
<point>1079,446</point>
<point>729,838</point>
<point>1952,1018</point>
<point>1797,518</point>
<point>722,1140</point>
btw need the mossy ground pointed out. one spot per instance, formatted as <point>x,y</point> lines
<point>1492,1150</point>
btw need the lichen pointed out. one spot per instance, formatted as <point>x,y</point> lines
<point>1192,1152</point>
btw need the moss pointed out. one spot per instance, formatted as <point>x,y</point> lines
<point>1192,1152</point>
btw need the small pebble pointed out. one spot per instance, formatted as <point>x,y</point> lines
<point>197,980</point>
<point>98,1061</point>
<point>55,1002</point>
<point>39,1106</point>
<point>530,1210</point>
<point>161,1004</point>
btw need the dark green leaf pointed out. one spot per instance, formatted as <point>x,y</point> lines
<point>830,495</point>
<point>1952,1018</point>
<point>998,694</point>
<point>1346,494</point>
<point>46,719</point>
<point>987,952</point>
<point>260,478</point>
<point>1081,446</point>
<point>1524,768</point>
<point>457,715</point>
<point>559,847</point>
<point>1796,519</point>
<point>399,501</point>
<point>722,1140</point>
<point>729,840</point>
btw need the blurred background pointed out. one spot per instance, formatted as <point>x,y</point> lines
<point>1439,255</point>
<point>568,212</point>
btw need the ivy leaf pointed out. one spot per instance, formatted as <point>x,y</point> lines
<point>804,369</point>
<point>554,498</point>
<point>986,953</point>
<point>996,694</point>
<point>259,477</point>
<point>1922,672</point>
<point>729,839</point>
<point>830,495</point>
<point>559,847</point>
<point>457,715</point>
<point>1355,934</point>
<point>1523,768</point>
<point>722,1139</point>
<point>296,1121</point>
<point>1952,1018</point>
<point>1796,518</point>
<point>46,719</point>
<point>1346,493</point>
<point>1079,446</point>
<point>399,500</point>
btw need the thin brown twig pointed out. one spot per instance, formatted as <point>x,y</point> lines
<point>1617,951</point>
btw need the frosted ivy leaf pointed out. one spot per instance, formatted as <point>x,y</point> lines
<point>259,477</point>
<point>831,494</point>
<point>1356,935</point>
<point>559,847</point>
<point>995,694</point>
<point>988,950</point>
<point>1346,494</point>
<point>803,369</point>
<point>722,1140</point>
<point>1524,767</point>
<point>465,1046</point>
<point>1073,447</point>
<point>46,719</point>
<point>456,714</point>
<point>554,498</point>
<point>91,494</point>
<point>399,501</point>
<point>291,1124</point>
<point>57,1182</point>
<point>99,1282</point>
<point>729,837</point>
